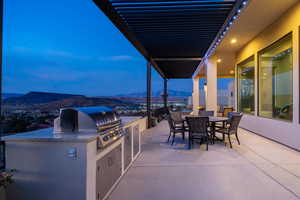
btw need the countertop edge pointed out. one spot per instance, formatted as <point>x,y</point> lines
<point>47,135</point>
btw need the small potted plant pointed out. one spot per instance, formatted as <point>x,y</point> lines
<point>5,180</point>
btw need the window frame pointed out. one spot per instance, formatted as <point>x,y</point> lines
<point>238,85</point>
<point>258,53</point>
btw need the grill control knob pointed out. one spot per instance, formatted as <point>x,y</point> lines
<point>105,138</point>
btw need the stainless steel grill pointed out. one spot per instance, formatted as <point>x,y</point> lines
<point>102,120</point>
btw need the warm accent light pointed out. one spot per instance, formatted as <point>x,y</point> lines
<point>233,41</point>
<point>219,60</point>
<point>231,72</point>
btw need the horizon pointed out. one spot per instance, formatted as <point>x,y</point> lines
<point>93,96</point>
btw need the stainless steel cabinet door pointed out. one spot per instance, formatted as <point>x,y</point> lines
<point>102,178</point>
<point>109,170</point>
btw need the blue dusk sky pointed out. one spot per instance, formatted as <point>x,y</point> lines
<point>59,46</point>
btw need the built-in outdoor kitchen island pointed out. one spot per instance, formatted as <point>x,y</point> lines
<point>83,157</point>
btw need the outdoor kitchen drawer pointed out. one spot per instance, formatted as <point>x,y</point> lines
<point>127,147</point>
<point>109,170</point>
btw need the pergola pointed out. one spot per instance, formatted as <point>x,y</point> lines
<point>172,35</point>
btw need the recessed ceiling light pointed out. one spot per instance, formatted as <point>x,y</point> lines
<point>233,41</point>
<point>219,60</point>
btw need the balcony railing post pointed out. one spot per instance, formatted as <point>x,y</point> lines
<point>149,91</point>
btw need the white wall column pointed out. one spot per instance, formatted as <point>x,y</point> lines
<point>196,95</point>
<point>212,88</point>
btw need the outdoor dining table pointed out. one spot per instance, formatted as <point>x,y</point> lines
<point>213,120</point>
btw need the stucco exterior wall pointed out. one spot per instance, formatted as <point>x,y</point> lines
<point>287,133</point>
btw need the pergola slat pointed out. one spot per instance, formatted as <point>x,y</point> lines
<point>170,29</point>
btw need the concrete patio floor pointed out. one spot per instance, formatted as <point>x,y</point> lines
<point>257,169</point>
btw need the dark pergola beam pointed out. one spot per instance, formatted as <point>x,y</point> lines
<point>175,10</point>
<point>197,7</point>
<point>154,1</point>
<point>174,4</point>
<point>176,59</point>
<point>164,16</point>
<point>175,21</point>
<point>174,27</point>
<point>180,25</point>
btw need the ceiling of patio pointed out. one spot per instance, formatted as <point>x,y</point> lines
<point>173,35</point>
<point>254,19</point>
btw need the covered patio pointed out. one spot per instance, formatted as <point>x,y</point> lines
<point>256,169</point>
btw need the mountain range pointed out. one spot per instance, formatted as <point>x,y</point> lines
<point>52,101</point>
<point>9,95</point>
<point>37,98</point>
<point>171,93</point>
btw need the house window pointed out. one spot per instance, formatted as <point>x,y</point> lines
<point>276,80</point>
<point>246,86</point>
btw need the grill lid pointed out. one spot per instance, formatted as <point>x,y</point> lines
<point>77,119</point>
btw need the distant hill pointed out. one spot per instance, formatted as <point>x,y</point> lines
<point>37,98</point>
<point>84,101</point>
<point>171,93</point>
<point>10,95</point>
<point>53,101</point>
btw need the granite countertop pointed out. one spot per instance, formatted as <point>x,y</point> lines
<point>47,135</point>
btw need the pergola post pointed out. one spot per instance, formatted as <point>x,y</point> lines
<point>1,41</point>
<point>196,95</point>
<point>149,91</point>
<point>2,144</point>
<point>211,75</point>
<point>165,95</point>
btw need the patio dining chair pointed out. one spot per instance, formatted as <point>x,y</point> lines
<point>227,110</point>
<point>229,116</point>
<point>175,129</point>
<point>178,120</point>
<point>206,113</point>
<point>231,128</point>
<point>176,117</point>
<point>198,130</point>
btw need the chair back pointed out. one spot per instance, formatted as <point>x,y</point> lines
<point>234,123</point>
<point>176,116</point>
<point>227,110</point>
<point>198,125</point>
<point>230,114</point>
<point>171,122</point>
<point>204,113</point>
